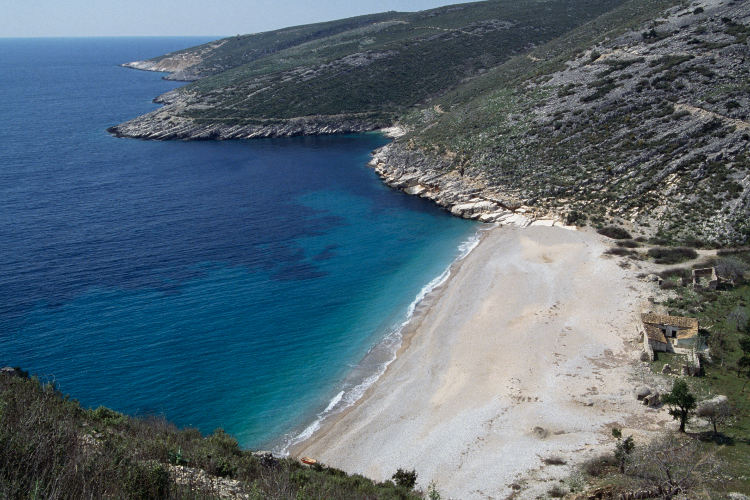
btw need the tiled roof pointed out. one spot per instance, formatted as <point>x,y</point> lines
<point>688,327</point>
<point>655,333</point>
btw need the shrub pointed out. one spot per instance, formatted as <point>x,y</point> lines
<point>147,480</point>
<point>620,252</point>
<point>616,233</point>
<point>731,268</point>
<point>598,466</point>
<point>666,255</point>
<point>405,478</point>
<point>557,491</point>
<point>628,244</point>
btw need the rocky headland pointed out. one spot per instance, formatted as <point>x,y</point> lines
<point>469,197</point>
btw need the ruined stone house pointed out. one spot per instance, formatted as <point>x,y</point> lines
<point>666,333</point>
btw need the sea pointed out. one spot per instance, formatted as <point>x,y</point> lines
<point>254,286</point>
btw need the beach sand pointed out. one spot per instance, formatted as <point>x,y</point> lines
<point>527,352</point>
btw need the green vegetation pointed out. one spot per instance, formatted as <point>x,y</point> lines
<point>723,316</point>
<point>672,255</point>
<point>372,66</point>
<point>616,233</point>
<point>50,447</point>
<point>549,102</point>
<point>681,402</point>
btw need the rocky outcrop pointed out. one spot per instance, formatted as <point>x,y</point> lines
<point>181,66</point>
<point>173,121</point>
<point>178,128</point>
<point>436,179</point>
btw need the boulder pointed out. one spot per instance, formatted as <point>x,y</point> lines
<point>642,391</point>
<point>652,400</point>
<point>666,369</point>
<point>417,189</point>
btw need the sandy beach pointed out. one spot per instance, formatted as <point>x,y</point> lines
<point>527,352</point>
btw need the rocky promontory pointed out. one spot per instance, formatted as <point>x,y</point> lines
<point>172,122</point>
<point>436,179</point>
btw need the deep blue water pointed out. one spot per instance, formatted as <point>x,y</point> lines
<point>229,284</point>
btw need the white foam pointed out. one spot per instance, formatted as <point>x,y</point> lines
<point>334,402</point>
<point>391,342</point>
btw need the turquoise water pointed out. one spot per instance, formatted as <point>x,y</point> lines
<point>246,285</point>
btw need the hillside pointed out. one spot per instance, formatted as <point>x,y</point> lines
<point>582,112</point>
<point>640,117</point>
<point>346,76</point>
<point>221,55</point>
<point>52,448</point>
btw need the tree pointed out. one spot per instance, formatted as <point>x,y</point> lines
<point>405,478</point>
<point>671,466</point>
<point>739,317</point>
<point>623,448</point>
<point>718,342</point>
<point>716,410</point>
<point>743,364</point>
<point>681,402</point>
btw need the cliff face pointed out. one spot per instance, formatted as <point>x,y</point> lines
<point>181,66</point>
<point>433,178</point>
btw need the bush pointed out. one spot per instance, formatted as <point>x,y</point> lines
<point>731,268</point>
<point>666,255</point>
<point>50,447</point>
<point>599,466</point>
<point>616,233</point>
<point>620,252</point>
<point>405,478</point>
<point>557,491</point>
<point>628,244</point>
<point>146,481</point>
<point>554,460</point>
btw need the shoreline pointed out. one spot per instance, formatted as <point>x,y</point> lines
<point>398,337</point>
<point>478,413</point>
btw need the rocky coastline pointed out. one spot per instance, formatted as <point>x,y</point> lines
<point>437,179</point>
<point>157,126</point>
<point>171,122</point>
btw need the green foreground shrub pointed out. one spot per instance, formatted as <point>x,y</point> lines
<point>52,448</point>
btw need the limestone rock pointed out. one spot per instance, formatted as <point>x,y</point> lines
<point>642,391</point>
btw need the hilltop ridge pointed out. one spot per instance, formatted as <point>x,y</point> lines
<point>345,76</point>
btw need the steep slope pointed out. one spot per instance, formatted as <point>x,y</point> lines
<point>354,79</point>
<point>51,447</point>
<point>646,125</point>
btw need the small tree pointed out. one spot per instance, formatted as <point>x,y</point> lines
<point>716,410</point>
<point>681,402</point>
<point>718,342</point>
<point>405,478</point>
<point>623,448</point>
<point>743,364</point>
